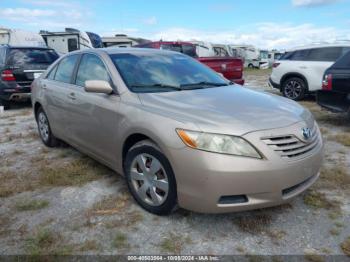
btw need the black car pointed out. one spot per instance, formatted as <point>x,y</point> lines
<point>19,66</point>
<point>335,93</point>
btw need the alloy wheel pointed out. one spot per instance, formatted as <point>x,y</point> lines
<point>293,89</point>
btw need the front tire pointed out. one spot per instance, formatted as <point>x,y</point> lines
<point>150,178</point>
<point>294,88</point>
<point>44,129</point>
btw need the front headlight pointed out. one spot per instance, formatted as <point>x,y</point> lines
<point>217,143</point>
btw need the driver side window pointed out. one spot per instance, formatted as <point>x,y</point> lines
<point>91,68</point>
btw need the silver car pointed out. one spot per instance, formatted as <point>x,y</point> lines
<point>181,134</point>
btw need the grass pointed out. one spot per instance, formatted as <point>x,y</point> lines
<point>253,224</point>
<point>127,219</point>
<point>89,245</point>
<point>76,173</point>
<point>345,246</point>
<point>174,244</point>
<point>41,242</point>
<point>335,231</point>
<point>111,205</point>
<point>12,183</point>
<point>319,200</point>
<point>256,71</point>
<point>120,241</point>
<point>341,138</point>
<point>334,177</point>
<point>28,204</point>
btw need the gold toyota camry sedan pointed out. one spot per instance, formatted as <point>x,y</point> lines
<point>180,133</point>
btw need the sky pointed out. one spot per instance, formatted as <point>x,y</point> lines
<point>268,24</point>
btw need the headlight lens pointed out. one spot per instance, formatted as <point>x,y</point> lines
<point>217,143</point>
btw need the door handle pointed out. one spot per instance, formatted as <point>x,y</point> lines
<point>72,96</point>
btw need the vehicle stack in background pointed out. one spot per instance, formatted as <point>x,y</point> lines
<point>230,67</point>
<point>20,38</point>
<point>70,40</point>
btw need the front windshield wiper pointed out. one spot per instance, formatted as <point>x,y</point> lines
<point>204,84</point>
<point>156,86</point>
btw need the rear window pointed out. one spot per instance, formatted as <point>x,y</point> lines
<point>343,62</point>
<point>22,56</point>
<point>189,50</point>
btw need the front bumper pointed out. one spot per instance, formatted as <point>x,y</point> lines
<point>273,84</point>
<point>204,178</point>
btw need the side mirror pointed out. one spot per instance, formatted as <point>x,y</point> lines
<point>98,86</point>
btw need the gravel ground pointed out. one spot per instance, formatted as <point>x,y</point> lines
<point>58,201</point>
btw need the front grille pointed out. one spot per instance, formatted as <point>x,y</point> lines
<point>290,146</point>
<point>292,189</point>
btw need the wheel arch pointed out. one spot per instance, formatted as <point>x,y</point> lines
<point>295,74</point>
<point>37,105</point>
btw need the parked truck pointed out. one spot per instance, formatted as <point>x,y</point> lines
<point>70,40</point>
<point>231,68</point>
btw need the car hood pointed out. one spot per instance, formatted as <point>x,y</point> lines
<point>232,110</point>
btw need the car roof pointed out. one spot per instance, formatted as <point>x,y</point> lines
<point>26,47</point>
<point>343,44</point>
<point>123,50</point>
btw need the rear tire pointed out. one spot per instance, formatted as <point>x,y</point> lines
<point>150,178</point>
<point>294,88</point>
<point>44,129</point>
<point>251,66</point>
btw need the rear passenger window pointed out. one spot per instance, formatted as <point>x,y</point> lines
<point>65,69</point>
<point>300,55</point>
<point>327,54</point>
<point>91,68</point>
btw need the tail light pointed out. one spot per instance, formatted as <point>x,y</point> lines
<point>274,65</point>
<point>7,75</point>
<point>327,82</point>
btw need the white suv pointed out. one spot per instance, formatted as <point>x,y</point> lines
<point>300,71</point>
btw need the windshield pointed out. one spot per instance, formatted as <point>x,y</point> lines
<point>157,72</point>
<point>31,56</point>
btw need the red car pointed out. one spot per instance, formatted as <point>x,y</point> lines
<point>230,67</point>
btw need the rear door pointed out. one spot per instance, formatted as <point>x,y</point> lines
<point>94,116</point>
<point>27,64</point>
<point>57,88</point>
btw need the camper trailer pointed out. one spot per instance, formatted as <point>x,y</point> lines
<point>16,37</point>
<point>273,56</point>
<point>223,50</point>
<point>121,40</point>
<point>70,40</point>
<point>203,49</point>
<point>253,57</point>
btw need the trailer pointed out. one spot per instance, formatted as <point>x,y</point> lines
<point>122,40</point>
<point>70,40</point>
<point>17,37</point>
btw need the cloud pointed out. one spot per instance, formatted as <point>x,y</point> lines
<point>262,35</point>
<point>49,17</point>
<point>150,21</point>
<point>56,3</point>
<point>311,3</point>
